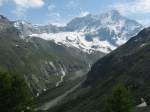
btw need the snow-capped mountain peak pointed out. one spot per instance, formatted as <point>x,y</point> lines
<point>90,33</point>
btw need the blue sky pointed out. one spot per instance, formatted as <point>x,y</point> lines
<point>61,11</point>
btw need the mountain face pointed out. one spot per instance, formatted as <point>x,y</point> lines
<point>105,32</point>
<point>4,24</point>
<point>129,64</point>
<point>90,33</point>
<point>26,28</point>
<point>45,65</point>
<point>125,57</point>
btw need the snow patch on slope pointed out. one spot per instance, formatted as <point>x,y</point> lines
<point>62,77</point>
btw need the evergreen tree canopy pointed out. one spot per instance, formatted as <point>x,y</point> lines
<point>120,100</point>
<point>14,94</point>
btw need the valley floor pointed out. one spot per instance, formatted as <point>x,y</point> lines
<point>58,99</point>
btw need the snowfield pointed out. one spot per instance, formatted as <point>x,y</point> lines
<point>77,39</point>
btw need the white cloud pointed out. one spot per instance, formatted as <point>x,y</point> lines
<point>23,5</point>
<point>72,4</point>
<point>19,12</point>
<point>135,9</point>
<point>58,23</point>
<point>145,22</point>
<point>135,6</point>
<point>2,1</point>
<point>29,3</point>
<point>54,16</point>
<point>84,13</point>
<point>51,7</point>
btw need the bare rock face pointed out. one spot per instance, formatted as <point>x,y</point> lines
<point>4,23</point>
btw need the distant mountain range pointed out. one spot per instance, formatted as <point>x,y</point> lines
<point>90,33</point>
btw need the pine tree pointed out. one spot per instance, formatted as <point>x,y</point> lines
<point>119,101</point>
<point>14,94</point>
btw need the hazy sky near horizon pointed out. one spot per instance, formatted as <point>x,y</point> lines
<point>61,11</point>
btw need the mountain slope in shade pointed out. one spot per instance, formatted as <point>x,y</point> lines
<point>45,65</point>
<point>90,33</point>
<point>129,64</point>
